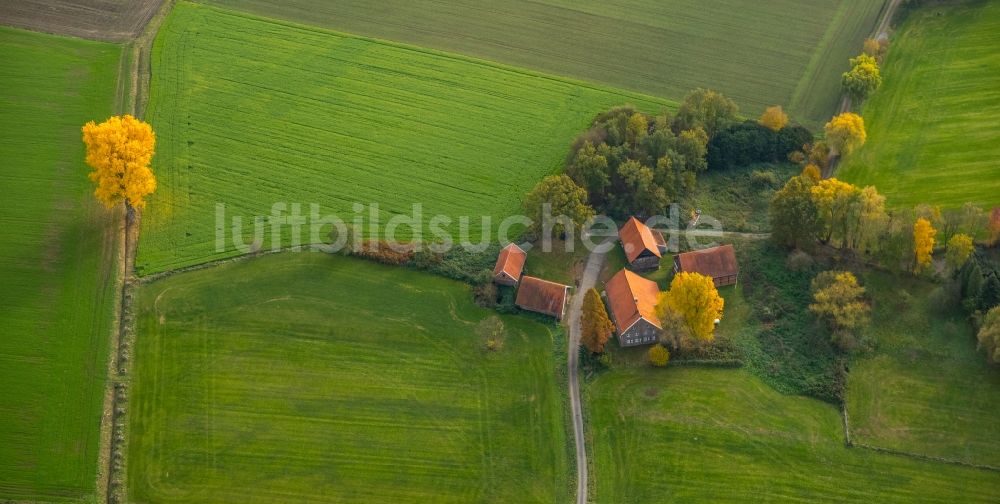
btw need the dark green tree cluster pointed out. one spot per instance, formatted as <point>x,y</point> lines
<point>631,163</point>
<point>750,142</point>
<point>980,279</point>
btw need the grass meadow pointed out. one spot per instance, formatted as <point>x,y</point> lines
<point>311,377</point>
<point>692,434</point>
<point>57,250</point>
<point>251,111</point>
<point>924,389</point>
<point>785,52</point>
<point>932,127</point>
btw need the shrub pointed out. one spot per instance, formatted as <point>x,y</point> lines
<point>764,179</point>
<point>658,355</point>
<point>381,251</point>
<point>799,260</point>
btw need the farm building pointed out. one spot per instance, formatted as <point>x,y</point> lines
<point>716,262</point>
<point>509,265</point>
<point>639,243</point>
<point>542,296</point>
<point>632,301</point>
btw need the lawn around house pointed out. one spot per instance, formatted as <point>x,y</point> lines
<point>692,434</point>
<point>298,377</point>
<point>784,52</point>
<point>932,128</point>
<point>251,112</point>
<point>56,264</point>
<point>924,389</point>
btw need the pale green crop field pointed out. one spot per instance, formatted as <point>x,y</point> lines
<point>689,434</point>
<point>925,389</point>
<point>310,377</point>
<point>932,127</point>
<point>57,249</point>
<point>778,52</point>
<point>251,112</point>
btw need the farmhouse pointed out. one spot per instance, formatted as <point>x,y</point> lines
<point>542,296</point>
<point>509,265</point>
<point>640,245</point>
<point>632,300</point>
<point>716,262</point>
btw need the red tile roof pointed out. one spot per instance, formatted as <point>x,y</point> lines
<point>511,261</point>
<point>713,262</point>
<point>542,296</point>
<point>637,237</point>
<point>630,297</point>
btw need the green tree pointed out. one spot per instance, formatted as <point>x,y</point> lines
<point>794,217</point>
<point>637,129</point>
<point>595,326</point>
<point>565,198</point>
<point>589,170</point>
<point>863,78</point>
<point>989,335</point>
<point>693,145</point>
<point>658,355</point>
<point>989,294</point>
<point>706,108</point>
<point>642,195</point>
<point>839,300</point>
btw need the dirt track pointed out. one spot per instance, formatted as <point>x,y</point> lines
<point>108,20</point>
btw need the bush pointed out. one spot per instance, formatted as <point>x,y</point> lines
<point>798,260</point>
<point>381,251</point>
<point>485,295</point>
<point>764,179</point>
<point>658,355</point>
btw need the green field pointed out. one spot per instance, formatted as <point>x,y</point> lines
<point>785,52</point>
<point>932,127</point>
<point>311,377</point>
<point>687,434</point>
<point>925,389</point>
<point>251,112</point>
<point>57,251</point>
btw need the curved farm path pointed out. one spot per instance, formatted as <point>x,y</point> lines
<point>595,261</point>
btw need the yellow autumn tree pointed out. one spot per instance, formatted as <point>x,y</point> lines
<point>595,326</point>
<point>694,297</point>
<point>834,200</point>
<point>839,300</point>
<point>774,118</point>
<point>845,132</point>
<point>119,151</point>
<point>812,173</point>
<point>960,248</point>
<point>923,242</point>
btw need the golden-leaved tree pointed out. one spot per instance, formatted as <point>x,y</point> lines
<point>119,151</point>
<point>923,243</point>
<point>694,297</point>
<point>595,326</point>
<point>960,247</point>
<point>839,300</point>
<point>774,118</point>
<point>845,132</point>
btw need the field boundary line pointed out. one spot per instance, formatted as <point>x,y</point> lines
<point>113,449</point>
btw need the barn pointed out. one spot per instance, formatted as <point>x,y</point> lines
<point>632,302</point>
<point>719,263</point>
<point>542,296</point>
<point>640,245</point>
<point>510,264</point>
